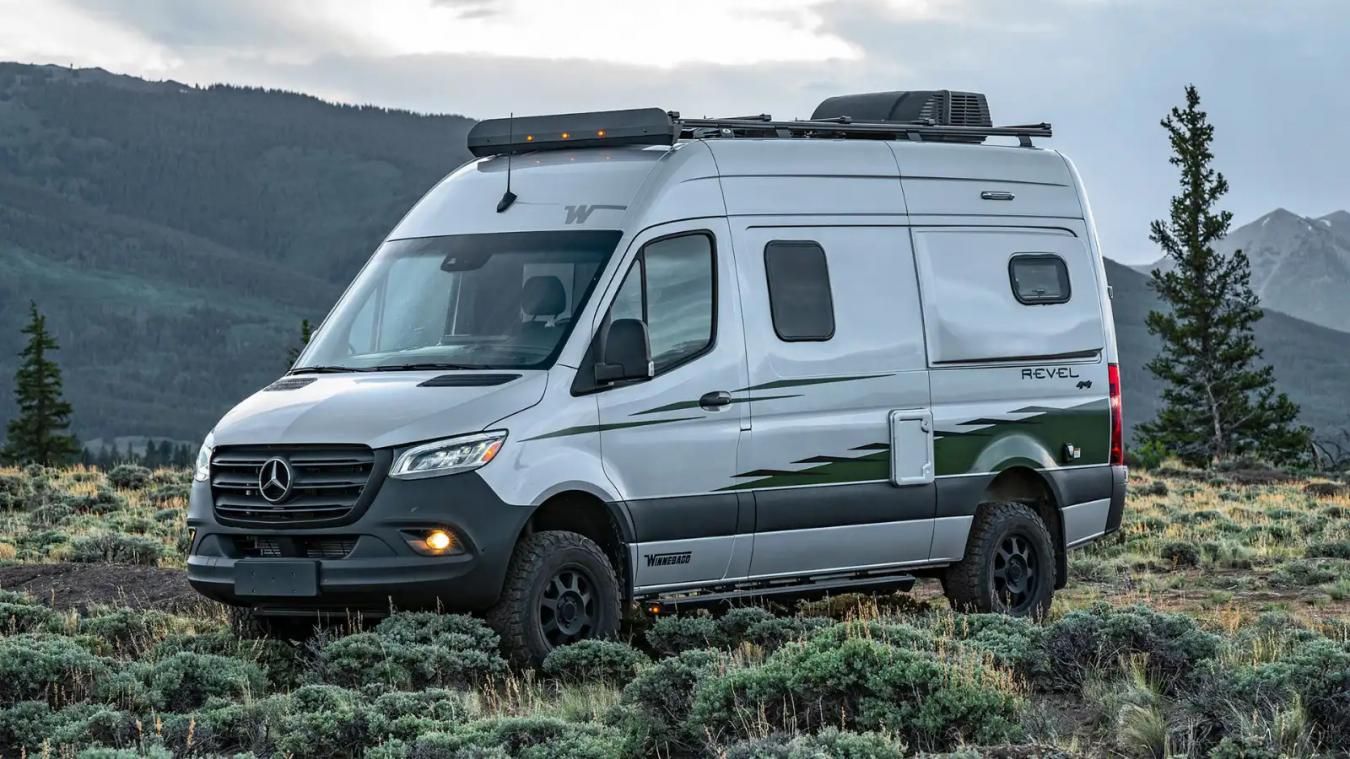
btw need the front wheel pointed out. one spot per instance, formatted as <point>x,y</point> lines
<point>1009,565</point>
<point>559,589</point>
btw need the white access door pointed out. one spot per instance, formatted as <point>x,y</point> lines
<point>839,456</point>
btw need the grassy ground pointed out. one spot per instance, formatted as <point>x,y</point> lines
<point>1216,623</point>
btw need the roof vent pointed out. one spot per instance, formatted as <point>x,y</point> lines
<point>936,107</point>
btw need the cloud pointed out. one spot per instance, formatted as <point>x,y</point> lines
<point>1103,71</point>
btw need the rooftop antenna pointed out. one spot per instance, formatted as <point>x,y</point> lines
<point>508,197</point>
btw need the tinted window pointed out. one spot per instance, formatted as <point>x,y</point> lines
<point>670,287</point>
<point>1039,279</point>
<point>799,290</point>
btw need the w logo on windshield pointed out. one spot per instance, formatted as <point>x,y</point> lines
<point>579,214</point>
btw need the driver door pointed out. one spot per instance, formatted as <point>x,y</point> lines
<point>669,443</point>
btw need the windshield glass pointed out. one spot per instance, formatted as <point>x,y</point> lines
<point>485,301</point>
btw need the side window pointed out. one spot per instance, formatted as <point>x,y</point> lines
<point>671,287</point>
<point>679,298</point>
<point>1039,279</point>
<point>799,290</point>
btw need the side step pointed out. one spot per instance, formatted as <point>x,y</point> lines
<point>669,604</point>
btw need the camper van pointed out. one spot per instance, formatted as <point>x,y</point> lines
<point>631,360</point>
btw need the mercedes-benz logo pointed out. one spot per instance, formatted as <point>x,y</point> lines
<point>274,480</point>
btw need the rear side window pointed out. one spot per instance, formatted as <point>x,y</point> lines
<point>799,290</point>
<point>1039,279</point>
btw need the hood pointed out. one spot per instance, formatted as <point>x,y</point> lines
<point>380,410</point>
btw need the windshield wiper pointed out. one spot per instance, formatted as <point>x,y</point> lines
<point>420,367</point>
<point>328,370</point>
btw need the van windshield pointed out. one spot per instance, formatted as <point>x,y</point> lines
<point>483,301</point>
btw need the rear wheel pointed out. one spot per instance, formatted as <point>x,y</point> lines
<point>1009,565</point>
<point>560,588</point>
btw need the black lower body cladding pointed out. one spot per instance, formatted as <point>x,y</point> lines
<point>380,570</point>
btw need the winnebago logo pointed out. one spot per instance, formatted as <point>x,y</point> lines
<point>668,559</point>
<point>1049,372</point>
<point>579,214</point>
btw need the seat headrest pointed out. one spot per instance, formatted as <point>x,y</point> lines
<point>543,296</point>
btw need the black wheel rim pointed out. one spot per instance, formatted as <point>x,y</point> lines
<point>568,610</point>
<point>1016,575</point>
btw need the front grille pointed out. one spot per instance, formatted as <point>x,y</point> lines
<point>278,547</point>
<point>327,483</point>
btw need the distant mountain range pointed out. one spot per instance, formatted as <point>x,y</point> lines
<point>176,236</point>
<point>1300,265</point>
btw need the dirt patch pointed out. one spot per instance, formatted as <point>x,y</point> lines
<point>80,586</point>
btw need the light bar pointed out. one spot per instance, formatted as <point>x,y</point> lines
<point>640,126</point>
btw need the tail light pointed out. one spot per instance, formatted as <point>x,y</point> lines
<point>1117,417</point>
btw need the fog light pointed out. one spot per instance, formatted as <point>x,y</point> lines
<point>439,540</point>
<point>433,542</point>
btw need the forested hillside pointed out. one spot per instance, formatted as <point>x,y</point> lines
<point>176,236</point>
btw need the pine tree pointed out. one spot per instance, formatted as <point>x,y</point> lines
<point>1219,401</point>
<point>38,434</point>
<point>306,332</point>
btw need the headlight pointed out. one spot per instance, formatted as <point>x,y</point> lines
<point>450,456</point>
<point>203,472</point>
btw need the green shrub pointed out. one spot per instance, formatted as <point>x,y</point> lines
<point>19,613</point>
<point>673,635</point>
<point>1180,554</point>
<point>379,659</point>
<point>321,720</point>
<point>127,631</point>
<point>112,548</point>
<point>525,738</point>
<point>1094,640</point>
<point>830,743</point>
<point>1148,456</point>
<point>594,661</point>
<point>406,715</point>
<point>657,703</point>
<point>25,725</point>
<point>929,702</point>
<point>430,628</point>
<point>1303,573</point>
<point>35,667</point>
<point>1013,642</point>
<point>102,501</point>
<point>1316,672</point>
<point>1334,550</point>
<point>276,658</point>
<point>129,477</point>
<point>185,680</point>
<point>15,492</point>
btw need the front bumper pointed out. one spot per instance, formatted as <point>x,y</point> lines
<point>381,572</point>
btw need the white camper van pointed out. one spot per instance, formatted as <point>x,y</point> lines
<point>629,358</point>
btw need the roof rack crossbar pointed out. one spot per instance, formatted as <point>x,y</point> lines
<point>833,127</point>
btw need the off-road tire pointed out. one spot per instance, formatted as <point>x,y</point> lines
<point>970,583</point>
<point>537,561</point>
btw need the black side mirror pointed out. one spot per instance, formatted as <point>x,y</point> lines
<point>628,353</point>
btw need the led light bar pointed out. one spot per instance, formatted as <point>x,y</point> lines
<point>640,126</point>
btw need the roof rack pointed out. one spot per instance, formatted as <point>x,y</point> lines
<point>653,126</point>
<point>764,126</point>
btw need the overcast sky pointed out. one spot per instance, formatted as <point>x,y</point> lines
<point>1272,74</point>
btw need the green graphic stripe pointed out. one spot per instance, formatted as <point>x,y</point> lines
<point>587,428</point>
<point>682,405</point>
<point>829,470</point>
<point>1037,440</point>
<point>776,384</point>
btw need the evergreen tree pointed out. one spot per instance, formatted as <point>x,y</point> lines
<point>38,434</point>
<point>1219,402</point>
<point>306,332</point>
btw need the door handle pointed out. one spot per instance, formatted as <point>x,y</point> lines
<point>716,399</point>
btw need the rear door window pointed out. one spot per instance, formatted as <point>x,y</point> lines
<point>1039,278</point>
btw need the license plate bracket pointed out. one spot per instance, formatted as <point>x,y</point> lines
<point>289,579</point>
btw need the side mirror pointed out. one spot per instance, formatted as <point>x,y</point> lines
<point>627,354</point>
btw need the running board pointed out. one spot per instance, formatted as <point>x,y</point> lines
<point>669,604</point>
